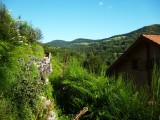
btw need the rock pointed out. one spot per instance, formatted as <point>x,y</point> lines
<point>52,116</point>
<point>47,103</point>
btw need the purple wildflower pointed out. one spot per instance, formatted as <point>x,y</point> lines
<point>34,58</point>
<point>43,60</point>
<point>49,71</point>
<point>21,59</point>
<point>28,63</point>
<point>44,68</point>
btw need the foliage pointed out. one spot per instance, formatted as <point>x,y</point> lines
<point>5,109</point>
<point>106,97</point>
<point>154,101</point>
<point>25,92</point>
<point>9,55</point>
<point>93,63</point>
<point>5,23</point>
<point>108,49</point>
<point>73,87</point>
<point>21,86</point>
<point>16,31</point>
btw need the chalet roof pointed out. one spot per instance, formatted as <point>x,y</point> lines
<point>151,39</point>
<point>154,38</point>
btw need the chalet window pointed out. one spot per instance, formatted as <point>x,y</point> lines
<point>139,64</point>
<point>134,64</point>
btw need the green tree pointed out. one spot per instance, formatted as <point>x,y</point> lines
<point>6,23</point>
<point>93,63</point>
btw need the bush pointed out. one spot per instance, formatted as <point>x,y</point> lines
<point>16,31</point>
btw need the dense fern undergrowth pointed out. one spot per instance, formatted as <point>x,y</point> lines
<point>105,97</point>
<point>78,81</point>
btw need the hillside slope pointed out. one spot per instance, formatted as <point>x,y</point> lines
<point>58,43</point>
<point>131,36</point>
<point>108,49</point>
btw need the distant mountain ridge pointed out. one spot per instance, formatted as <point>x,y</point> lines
<point>80,40</point>
<point>58,43</point>
<point>151,29</point>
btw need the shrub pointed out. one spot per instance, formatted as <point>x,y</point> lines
<point>16,31</point>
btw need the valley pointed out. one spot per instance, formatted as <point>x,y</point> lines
<point>64,80</point>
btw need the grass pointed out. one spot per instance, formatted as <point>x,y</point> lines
<point>9,55</point>
<point>73,88</point>
<point>16,94</point>
<point>106,97</point>
<point>21,87</point>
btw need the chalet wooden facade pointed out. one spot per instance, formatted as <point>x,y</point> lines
<point>137,61</point>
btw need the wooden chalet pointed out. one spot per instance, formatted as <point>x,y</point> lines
<point>138,60</point>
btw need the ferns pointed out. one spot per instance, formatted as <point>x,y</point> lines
<point>106,98</point>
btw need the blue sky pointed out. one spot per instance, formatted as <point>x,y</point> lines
<point>92,19</point>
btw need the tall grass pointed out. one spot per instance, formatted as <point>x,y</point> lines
<point>155,92</point>
<point>18,96</point>
<point>106,97</point>
<point>9,55</point>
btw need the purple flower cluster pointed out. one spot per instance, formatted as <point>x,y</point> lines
<point>47,68</point>
<point>44,66</point>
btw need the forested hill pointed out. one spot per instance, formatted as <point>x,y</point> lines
<point>58,43</point>
<point>107,49</point>
<point>63,43</point>
<point>81,40</point>
<point>131,36</point>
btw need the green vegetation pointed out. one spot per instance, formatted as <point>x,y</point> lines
<point>108,49</point>
<point>78,79</point>
<point>106,98</point>
<point>16,31</point>
<point>20,81</point>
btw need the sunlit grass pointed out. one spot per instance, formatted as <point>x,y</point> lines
<point>106,97</point>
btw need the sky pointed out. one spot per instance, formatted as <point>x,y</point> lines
<point>91,19</point>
